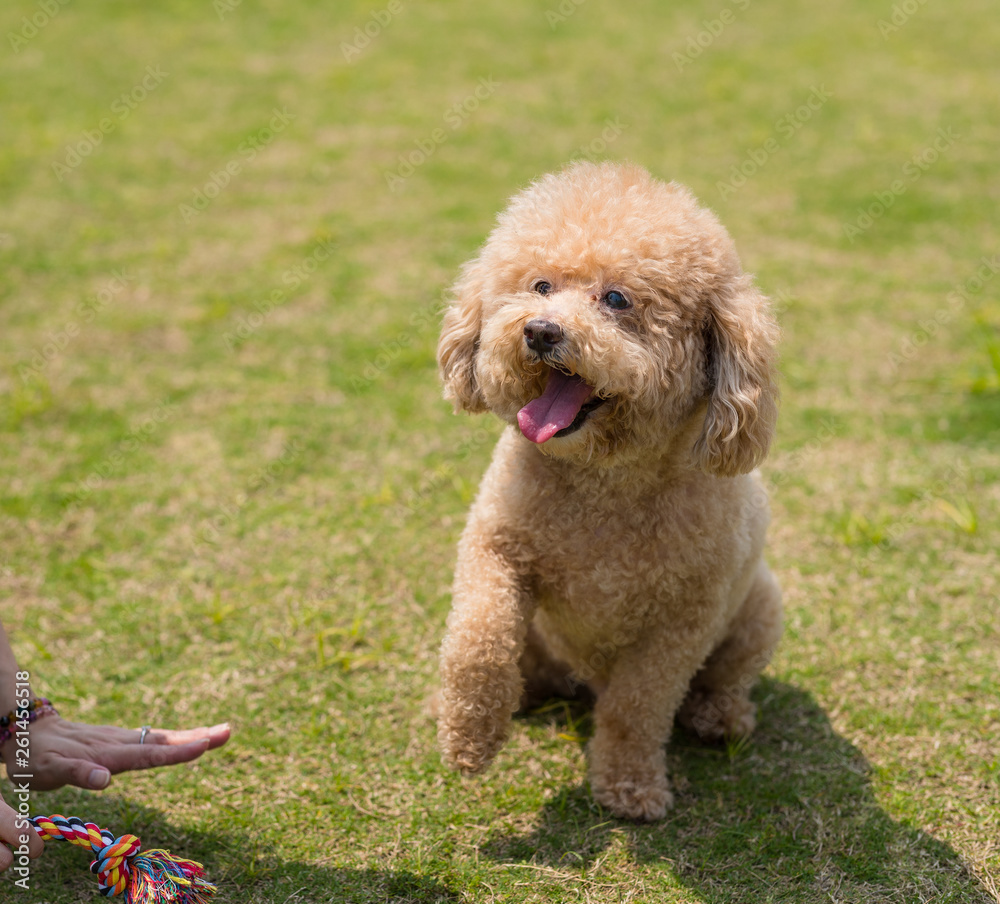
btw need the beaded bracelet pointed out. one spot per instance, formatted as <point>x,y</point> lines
<point>34,709</point>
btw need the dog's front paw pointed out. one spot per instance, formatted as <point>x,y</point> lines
<point>467,756</point>
<point>470,742</point>
<point>714,716</point>
<point>631,799</point>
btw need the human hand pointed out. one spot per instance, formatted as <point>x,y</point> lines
<point>75,753</point>
<point>15,831</point>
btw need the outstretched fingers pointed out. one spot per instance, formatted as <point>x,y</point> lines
<point>216,735</point>
<point>73,753</point>
<point>153,753</point>
<point>95,773</point>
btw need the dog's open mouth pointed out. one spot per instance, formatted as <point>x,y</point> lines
<point>560,410</point>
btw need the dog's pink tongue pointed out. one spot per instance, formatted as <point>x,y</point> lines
<point>555,409</point>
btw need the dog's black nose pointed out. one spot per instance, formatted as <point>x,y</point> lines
<point>542,335</point>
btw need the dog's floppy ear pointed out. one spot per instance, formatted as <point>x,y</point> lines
<point>459,342</point>
<point>743,398</point>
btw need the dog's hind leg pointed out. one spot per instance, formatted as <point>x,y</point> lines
<point>718,703</point>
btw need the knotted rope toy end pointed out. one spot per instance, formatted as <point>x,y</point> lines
<point>122,867</point>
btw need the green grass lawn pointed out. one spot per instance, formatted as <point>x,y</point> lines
<point>229,487</point>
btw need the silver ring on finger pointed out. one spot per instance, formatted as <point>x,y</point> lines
<point>145,730</point>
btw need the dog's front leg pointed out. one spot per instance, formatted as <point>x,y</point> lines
<point>480,678</point>
<point>632,721</point>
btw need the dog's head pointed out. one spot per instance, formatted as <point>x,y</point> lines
<point>608,314</point>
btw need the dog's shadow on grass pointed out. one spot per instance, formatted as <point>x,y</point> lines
<point>790,816</point>
<point>240,863</point>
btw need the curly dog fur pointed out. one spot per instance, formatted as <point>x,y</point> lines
<point>616,541</point>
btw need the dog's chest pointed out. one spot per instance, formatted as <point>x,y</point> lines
<point>595,558</point>
<point>600,556</point>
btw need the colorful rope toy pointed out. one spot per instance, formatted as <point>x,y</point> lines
<point>149,877</point>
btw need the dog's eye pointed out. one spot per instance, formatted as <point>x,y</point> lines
<point>542,287</point>
<point>616,300</point>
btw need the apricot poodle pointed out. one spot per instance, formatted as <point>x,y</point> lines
<point>616,541</point>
